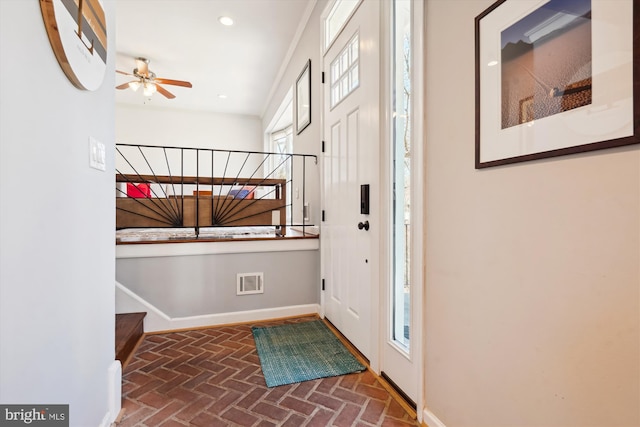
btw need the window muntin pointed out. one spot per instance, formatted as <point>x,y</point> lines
<point>345,71</point>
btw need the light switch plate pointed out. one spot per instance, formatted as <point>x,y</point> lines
<point>97,154</point>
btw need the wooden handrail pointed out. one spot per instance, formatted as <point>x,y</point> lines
<point>162,179</point>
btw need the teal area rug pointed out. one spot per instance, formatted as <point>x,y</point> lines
<point>300,352</point>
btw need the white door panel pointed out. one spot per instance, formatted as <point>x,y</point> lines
<point>351,133</point>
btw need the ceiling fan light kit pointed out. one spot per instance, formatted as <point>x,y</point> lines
<point>149,89</point>
<point>148,81</point>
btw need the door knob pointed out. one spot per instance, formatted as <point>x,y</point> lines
<point>364,225</point>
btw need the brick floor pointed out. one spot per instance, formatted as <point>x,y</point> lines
<point>212,377</point>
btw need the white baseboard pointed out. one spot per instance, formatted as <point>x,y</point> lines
<point>243,316</point>
<point>429,419</point>
<point>105,421</point>
<point>114,386</point>
<point>156,321</point>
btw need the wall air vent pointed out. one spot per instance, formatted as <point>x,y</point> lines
<point>250,283</point>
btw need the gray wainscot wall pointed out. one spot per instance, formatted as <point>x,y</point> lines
<point>186,285</point>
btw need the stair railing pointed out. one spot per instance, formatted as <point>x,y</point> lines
<point>178,187</point>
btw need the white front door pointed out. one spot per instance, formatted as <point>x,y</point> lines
<point>350,236</point>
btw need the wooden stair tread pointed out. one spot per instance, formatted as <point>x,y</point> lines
<point>129,330</point>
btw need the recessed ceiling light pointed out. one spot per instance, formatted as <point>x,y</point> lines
<point>225,20</point>
<point>222,96</point>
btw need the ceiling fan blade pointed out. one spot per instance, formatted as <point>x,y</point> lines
<point>173,82</point>
<point>124,85</point>
<point>164,92</point>
<point>122,72</point>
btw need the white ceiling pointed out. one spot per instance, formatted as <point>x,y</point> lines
<point>184,41</point>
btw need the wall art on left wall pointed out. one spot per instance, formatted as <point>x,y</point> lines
<point>77,32</point>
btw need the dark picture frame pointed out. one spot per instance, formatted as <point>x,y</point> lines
<point>303,98</point>
<point>585,97</point>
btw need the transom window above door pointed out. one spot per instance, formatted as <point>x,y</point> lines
<point>336,19</point>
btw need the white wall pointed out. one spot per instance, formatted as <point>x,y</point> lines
<point>309,140</point>
<point>57,258</point>
<point>148,125</point>
<point>185,128</point>
<point>532,270</point>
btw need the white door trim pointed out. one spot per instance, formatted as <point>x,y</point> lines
<point>418,195</point>
<point>378,329</point>
<point>419,229</point>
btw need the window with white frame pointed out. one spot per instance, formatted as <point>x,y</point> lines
<point>279,139</point>
<point>281,145</point>
<point>345,71</point>
<point>336,19</point>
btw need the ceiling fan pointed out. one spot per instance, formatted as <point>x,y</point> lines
<point>148,81</point>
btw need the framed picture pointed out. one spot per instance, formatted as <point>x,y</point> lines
<point>556,77</point>
<point>303,98</point>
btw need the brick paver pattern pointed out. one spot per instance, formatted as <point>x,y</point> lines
<point>212,377</point>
